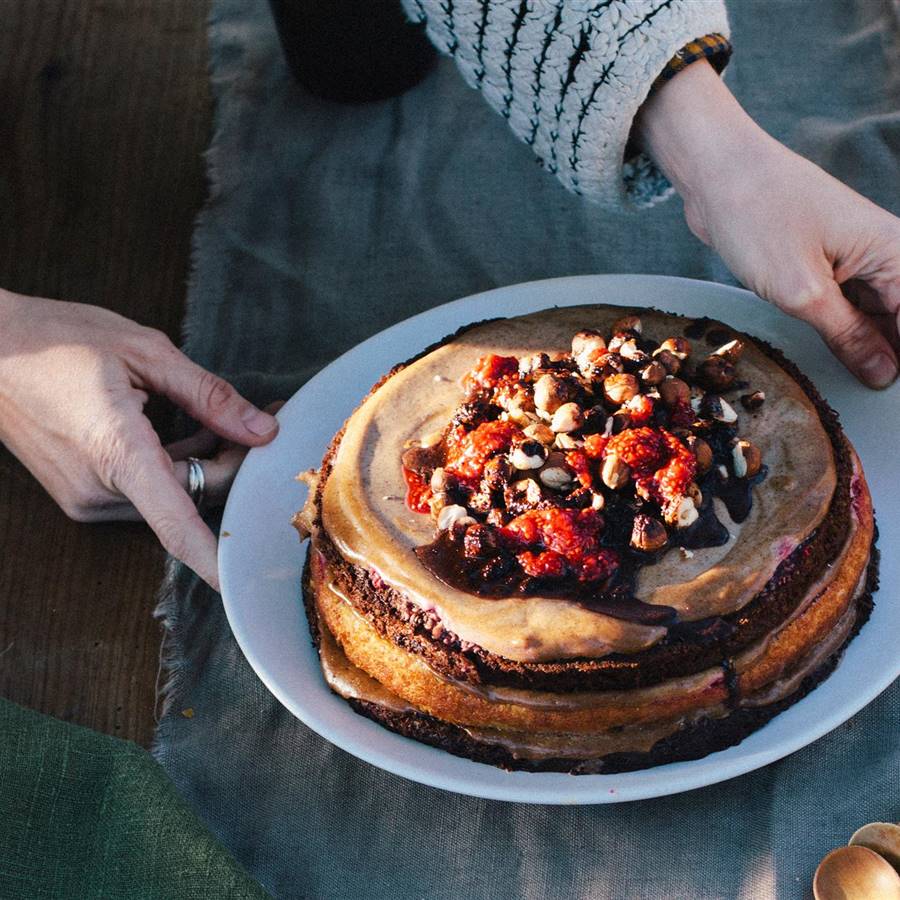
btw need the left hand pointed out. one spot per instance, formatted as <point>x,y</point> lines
<point>788,230</point>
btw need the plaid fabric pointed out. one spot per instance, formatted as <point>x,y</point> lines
<point>714,47</point>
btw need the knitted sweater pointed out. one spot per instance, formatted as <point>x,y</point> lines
<point>570,75</point>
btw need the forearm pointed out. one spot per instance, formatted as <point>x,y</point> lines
<point>702,139</point>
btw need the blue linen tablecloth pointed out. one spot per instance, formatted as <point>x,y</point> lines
<point>326,224</point>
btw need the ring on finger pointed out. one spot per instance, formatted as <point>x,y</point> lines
<point>196,481</point>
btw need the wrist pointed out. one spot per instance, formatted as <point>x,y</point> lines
<point>701,138</point>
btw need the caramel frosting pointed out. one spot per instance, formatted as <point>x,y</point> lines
<point>364,513</point>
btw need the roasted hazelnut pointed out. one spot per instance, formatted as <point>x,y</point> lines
<point>567,417</point>
<point>522,495</point>
<point>678,346</point>
<point>586,345</point>
<point>712,406</point>
<point>621,420</point>
<point>497,473</point>
<point>551,392</point>
<point>628,324</point>
<point>615,472</point>
<point>533,363</point>
<point>616,341</point>
<point>618,389</point>
<point>528,455</point>
<point>538,431</point>
<point>681,513</point>
<point>731,351</point>
<point>556,478</point>
<point>566,442</point>
<point>454,515</point>
<point>630,351</point>
<point>753,401</point>
<point>717,373</point>
<point>598,501</point>
<point>423,460</point>
<point>668,360</point>
<point>654,373</point>
<point>648,534</point>
<point>439,480</point>
<point>702,451</point>
<point>746,459</point>
<point>520,408</point>
<point>674,390</point>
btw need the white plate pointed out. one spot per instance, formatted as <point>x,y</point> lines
<point>260,561</point>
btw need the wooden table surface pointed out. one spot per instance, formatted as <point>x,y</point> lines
<point>104,114</point>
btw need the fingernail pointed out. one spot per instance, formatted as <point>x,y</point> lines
<point>259,422</point>
<point>879,370</point>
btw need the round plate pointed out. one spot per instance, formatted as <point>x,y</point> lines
<point>261,560</point>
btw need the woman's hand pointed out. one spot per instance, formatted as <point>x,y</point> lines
<point>786,229</point>
<point>73,383</point>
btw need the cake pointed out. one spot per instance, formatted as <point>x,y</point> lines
<point>589,539</point>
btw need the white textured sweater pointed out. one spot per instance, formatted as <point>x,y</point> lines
<point>570,75</point>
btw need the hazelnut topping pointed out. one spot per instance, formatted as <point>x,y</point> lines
<point>619,389</point>
<point>648,534</point>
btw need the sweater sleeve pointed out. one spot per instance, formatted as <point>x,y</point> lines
<point>570,75</point>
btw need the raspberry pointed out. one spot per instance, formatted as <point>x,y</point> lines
<point>557,542</point>
<point>488,372</point>
<point>669,482</point>
<point>468,453</point>
<point>546,564</point>
<point>578,461</point>
<point>643,449</point>
<point>418,491</point>
<point>639,409</point>
<point>599,566</point>
<point>594,445</point>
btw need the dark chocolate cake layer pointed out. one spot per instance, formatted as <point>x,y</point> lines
<point>691,742</point>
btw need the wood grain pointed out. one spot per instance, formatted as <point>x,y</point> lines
<point>104,114</point>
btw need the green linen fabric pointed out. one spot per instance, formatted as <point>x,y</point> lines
<point>84,816</point>
<point>326,224</point>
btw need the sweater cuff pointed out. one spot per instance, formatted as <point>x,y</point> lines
<point>716,48</point>
<point>644,182</point>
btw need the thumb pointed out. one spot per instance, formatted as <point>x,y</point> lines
<point>852,337</point>
<point>212,401</point>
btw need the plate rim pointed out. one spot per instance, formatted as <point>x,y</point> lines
<point>687,775</point>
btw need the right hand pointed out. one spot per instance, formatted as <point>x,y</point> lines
<point>73,383</point>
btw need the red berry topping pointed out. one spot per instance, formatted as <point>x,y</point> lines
<point>595,444</point>
<point>572,535</point>
<point>418,491</point>
<point>643,449</point>
<point>640,409</point>
<point>488,372</point>
<point>468,453</point>
<point>578,462</point>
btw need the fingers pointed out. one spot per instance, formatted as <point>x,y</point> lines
<point>202,444</point>
<point>852,337</point>
<point>150,483</point>
<point>218,474</point>
<point>206,397</point>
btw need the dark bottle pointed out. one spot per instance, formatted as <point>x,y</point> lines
<point>352,51</point>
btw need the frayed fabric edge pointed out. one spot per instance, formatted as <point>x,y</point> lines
<point>171,656</point>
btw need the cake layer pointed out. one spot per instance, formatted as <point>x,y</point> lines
<point>810,632</point>
<point>678,737</point>
<point>366,520</point>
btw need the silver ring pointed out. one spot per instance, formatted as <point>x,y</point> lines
<point>196,481</point>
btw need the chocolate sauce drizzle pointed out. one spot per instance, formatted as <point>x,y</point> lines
<point>497,576</point>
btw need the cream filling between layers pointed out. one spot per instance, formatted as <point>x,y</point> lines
<point>364,514</point>
<point>351,682</point>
